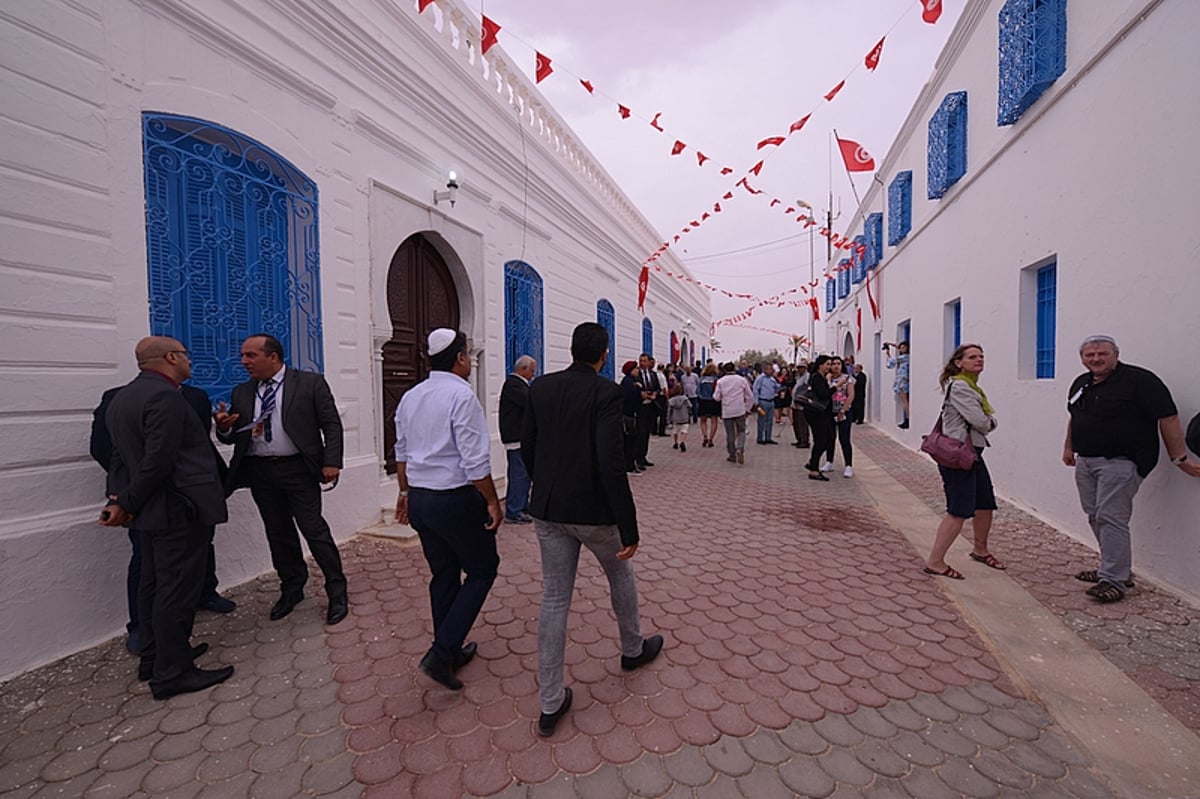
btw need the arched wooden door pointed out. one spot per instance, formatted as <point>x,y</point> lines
<point>421,296</point>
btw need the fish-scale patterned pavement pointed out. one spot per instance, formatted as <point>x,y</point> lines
<point>806,656</point>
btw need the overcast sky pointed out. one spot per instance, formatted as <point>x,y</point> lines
<point>725,75</point>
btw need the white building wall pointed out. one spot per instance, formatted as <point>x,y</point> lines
<point>374,103</point>
<point>1097,175</point>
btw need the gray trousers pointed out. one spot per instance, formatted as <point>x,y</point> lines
<point>560,544</point>
<point>735,435</point>
<point>1107,487</point>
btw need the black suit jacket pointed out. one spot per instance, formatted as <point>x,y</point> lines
<point>572,445</point>
<point>101,442</point>
<point>309,417</point>
<point>163,469</point>
<point>513,399</point>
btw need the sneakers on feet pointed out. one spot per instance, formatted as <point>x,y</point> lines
<point>848,471</point>
<point>827,466</point>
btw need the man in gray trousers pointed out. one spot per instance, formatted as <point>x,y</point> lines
<point>580,497</point>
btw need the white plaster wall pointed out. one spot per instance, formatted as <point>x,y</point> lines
<point>1097,174</point>
<point>370,101</point>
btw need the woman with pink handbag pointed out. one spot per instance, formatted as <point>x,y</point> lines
<point>966,415</point>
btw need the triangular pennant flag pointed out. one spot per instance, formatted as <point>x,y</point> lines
<point>654,122</point>
<point>716,208</point>
<point>678,148</point>
<point>798,124</point>
<point>931,10</point>
<point>701,157</point>
<point>775,140</point>
<point>757,168</point>
<point>623,111</point>
<point>490,29</point>
<point>728,195</point>
<point>833,92</point>
<point>774,203</point>
<point>587,84</point>
<point>423,4</point>
<point>543,68</point>
<point>725,170</point>
<point>872,60</point>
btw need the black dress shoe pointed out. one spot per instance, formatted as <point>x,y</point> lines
<point>646,463</point>
<point>216,603</point>
<point>146,667</point>
<point>465,655</point>
<point>440,671</point>
<point>339,608</point>
<point>650,649</point>
<point>548,721</point>
<point>189,681</point>
<point>285,605</point>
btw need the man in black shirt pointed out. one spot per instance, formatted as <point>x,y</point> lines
<point>1117,412</point>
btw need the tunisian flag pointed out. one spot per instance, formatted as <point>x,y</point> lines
<point>855,156</point>
<point>543,67</point>
<point>643,284</point>
<point>488,38</point>
<point>931,10</point>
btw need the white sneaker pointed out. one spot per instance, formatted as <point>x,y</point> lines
<point>849,472</point>
<point>827,466</point>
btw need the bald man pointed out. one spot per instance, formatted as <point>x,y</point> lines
<point>164,485</point>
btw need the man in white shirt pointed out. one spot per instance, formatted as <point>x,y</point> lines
<point>733,392</point>
<point>443,465</point>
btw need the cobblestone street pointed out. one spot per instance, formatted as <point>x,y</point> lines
<point>806,655</point>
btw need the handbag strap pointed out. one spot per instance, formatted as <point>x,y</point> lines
<point>946,402</point>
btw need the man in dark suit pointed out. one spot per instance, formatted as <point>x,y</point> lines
<point>858,407</point>
<point>647,418</point>
<point>163,483</point>
<point>513,398</point>
<point>287,439</point>
<point>101,448</point>
<point>572,445</point>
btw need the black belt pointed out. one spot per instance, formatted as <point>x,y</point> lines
<point>467,487</point>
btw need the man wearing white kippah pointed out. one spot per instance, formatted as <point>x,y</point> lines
<point>443,464</point>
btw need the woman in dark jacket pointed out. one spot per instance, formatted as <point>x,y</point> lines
<point>631,386</point>
<point>820,421</point>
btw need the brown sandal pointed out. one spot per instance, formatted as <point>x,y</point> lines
<point>988,560</point>
<point>950,572</point>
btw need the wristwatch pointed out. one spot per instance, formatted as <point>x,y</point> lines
<point>1181,459</point>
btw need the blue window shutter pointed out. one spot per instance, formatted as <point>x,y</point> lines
<point>1047,311</point>
<point>947,147</point>
<point>606,317</point>
<point>231,248</point>
<point>899,207</point>
<point>858,260</point>
<point>522,314</point>
<point>1032,53</point>
<point>704,355</point>
<point>843,278</point>
<point>874,233</point>
<point>830,295</point>
<point>958,324</point>
<point>647,336</point>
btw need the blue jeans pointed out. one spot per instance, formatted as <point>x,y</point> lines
<point>450,525</point>
<point>516,499</point>
<point>766,422</point>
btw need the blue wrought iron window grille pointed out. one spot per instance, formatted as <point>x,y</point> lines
<point>947,148</point>
<point>1033,53</point>
<point>1047,312</point>
<point>957,324</point>
<point>843,279</point>
<point>522,314</point>
<point>231,248</point>
<point>647,336</point>
<point>830,295</point>
<point>606,317</point>
<point>858,262</point>
<point>874,233</point>
<point>899,207</point>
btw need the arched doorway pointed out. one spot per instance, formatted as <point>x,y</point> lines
<point>420,297</point>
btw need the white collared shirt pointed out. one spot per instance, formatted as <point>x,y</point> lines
<point>441,434</point>
<point>280,445</point>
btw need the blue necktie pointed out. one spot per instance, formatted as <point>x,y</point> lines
<point>268,407</point>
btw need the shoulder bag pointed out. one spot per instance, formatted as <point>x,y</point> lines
<point>945,450</point>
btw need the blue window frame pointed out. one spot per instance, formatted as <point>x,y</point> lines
<point>522,314</point>
<point>704,356</point>
<point>647,336</point>
<point>958,324</point>
<point>606,317</point>
<point>830,295</point>
<point>858,268</point>
<point>1047,312</point>
<point>899,207</point>
<point>1033,53</point>
<point>843,278</point>
<point>231,248</point>
<point>947,148</point>
<point>874,233</point>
